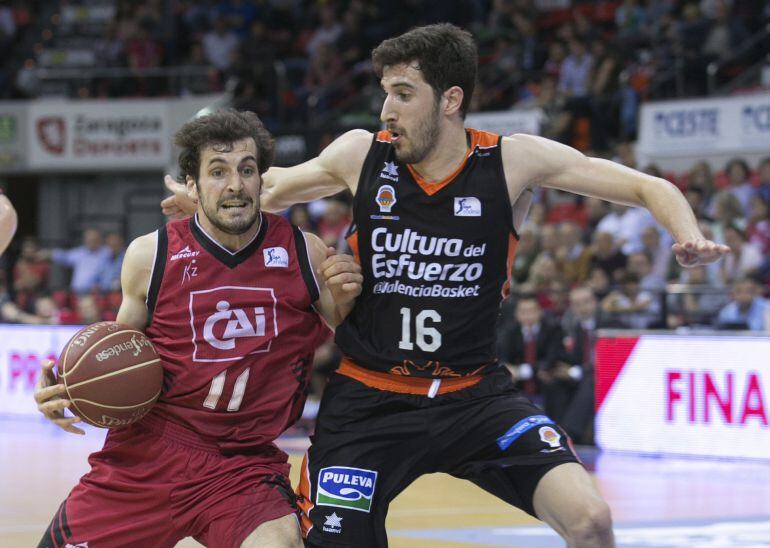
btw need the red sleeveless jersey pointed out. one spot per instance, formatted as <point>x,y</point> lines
<point>236,332</point>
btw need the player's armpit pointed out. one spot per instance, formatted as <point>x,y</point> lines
<point>135,278</point>
<point>339,279</point>
<point>337,168</point>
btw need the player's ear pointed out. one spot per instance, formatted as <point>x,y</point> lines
<point>192,188</point>
<point>453,100</point>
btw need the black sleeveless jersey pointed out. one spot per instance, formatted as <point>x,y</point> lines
<point>436,258</point>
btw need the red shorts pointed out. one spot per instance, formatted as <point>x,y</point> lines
<point>155,483</point>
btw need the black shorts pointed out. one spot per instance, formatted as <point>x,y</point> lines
<point>370,444</point>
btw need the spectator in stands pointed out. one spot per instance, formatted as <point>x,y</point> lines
<point>626,225</point>
<point>725,35</point>
<point>300,217</point>
<point>530,345</point>
<point>747,309</point>
<point>605,76</point>
<point>239,14</point>
<point>639,263</point>
<point>218,45</point>
<point>701,177</point>
<point>703,300</point>
<point>606,255</point>
<point>323,82</point>
<point>334,221</point>
<point>526,253</point>
<point>543,276</point>
<point>759,223</point>
<point>659,250</point>
<point>599,282</point>
<point>763,172</point>
<point>596,209</point>
<point>582,320</point>
<point>631,22</point>
<point>327,33</point>
<point>109,278</point>
<point>30,273</point>
<point>9,310</point>
<point>86,261</point>
<point>745,257</point>
<point>630,306</point>
<point>738,183</point>
<point>88,310</point>
<point>691,31</point>
<point>727,211</point>
<point>572,255</point>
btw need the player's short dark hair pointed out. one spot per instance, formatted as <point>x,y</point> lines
<point>221,129</point>
<point>446,55</point>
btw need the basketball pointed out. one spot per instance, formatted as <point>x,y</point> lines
<point>112,374</point>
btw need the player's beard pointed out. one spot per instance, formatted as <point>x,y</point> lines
<point>217,214</point>
<point>423,140</point>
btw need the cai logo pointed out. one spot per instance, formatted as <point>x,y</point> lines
<point>229,323</point>
<point>346,487</point>
<point>276,257</point>
<point>467,207</point>
<point>52,134</point>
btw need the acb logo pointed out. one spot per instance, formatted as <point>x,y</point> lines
<point>230,322</point>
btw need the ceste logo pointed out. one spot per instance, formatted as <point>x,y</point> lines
<point>229,323</point>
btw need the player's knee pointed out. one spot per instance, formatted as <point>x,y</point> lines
<point>278,533</point>
<point>593,527</point>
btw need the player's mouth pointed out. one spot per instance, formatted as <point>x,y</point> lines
<point>395,135</point>
<point>235,205</point>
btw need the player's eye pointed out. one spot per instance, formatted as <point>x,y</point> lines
<point>217,173</point>
<point>248,171</point>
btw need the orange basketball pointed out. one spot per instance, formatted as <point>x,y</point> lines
<point>112,374</point>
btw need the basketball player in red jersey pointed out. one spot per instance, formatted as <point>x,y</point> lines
<point>8,221</point>
<point>436,210</point>
<point>229,300</point>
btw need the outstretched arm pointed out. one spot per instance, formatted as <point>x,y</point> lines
<point>337,168</point>
<point>536,161</point>
<point>8,222</point>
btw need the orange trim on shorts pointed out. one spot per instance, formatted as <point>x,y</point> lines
<point>401,384</point>
<point>304,499</point>
<point>479,138</point>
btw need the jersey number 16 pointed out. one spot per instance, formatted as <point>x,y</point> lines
<point>427,338</point>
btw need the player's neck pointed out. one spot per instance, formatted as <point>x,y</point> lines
<point>450,151</point>
<point>231,242</point>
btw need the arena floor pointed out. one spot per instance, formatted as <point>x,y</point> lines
<point>656,502</point>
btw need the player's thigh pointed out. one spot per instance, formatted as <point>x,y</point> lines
<point>277,533</point>
<point>566,498</point>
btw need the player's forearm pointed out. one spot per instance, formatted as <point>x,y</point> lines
<point>670,209</point>
<point>283,187</point>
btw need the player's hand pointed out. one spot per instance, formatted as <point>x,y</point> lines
<point>50,401</point>
<point>342,275</point>
<point>179,205</point>
<point>699,252</point>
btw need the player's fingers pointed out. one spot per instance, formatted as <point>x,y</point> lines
<point>67,425</point>
<point>54,408</point>
<point>337,265</point>
<point>172,184</point>
<point>44,394</point>
<point>330,252</point>
<point>345,278</point>
<point>353,288</point>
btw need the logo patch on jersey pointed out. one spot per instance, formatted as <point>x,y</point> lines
<point>520,428</point>
<point>386,198</point>
<point>276,257</point>
<point>390,172</point>
<point>346,487</point>
<point>229,323</point>
<point>185,253</point>
<point>333,524</point>
<point>550,436</point>
<point>467,207</point>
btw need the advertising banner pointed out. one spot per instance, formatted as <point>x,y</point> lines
<point>739,125</point>
<point>22,348</point>
<point>507,122</point>
<point>684,395</point>
<point>93,135</point>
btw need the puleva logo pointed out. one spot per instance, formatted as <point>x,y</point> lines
<point>345,487</point>
<point>467,207</point>
<point>386,198</point>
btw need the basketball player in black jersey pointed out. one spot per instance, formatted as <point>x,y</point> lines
<point>436,210</point>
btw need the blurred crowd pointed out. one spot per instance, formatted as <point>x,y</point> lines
<point>585,65</point>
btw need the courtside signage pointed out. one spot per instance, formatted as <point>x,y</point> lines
<point>22,348</point>
<point>96,134</point>
<point>684,395</point>
<point>346,487</point>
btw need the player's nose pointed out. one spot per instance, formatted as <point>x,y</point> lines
<point>388,114</point>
